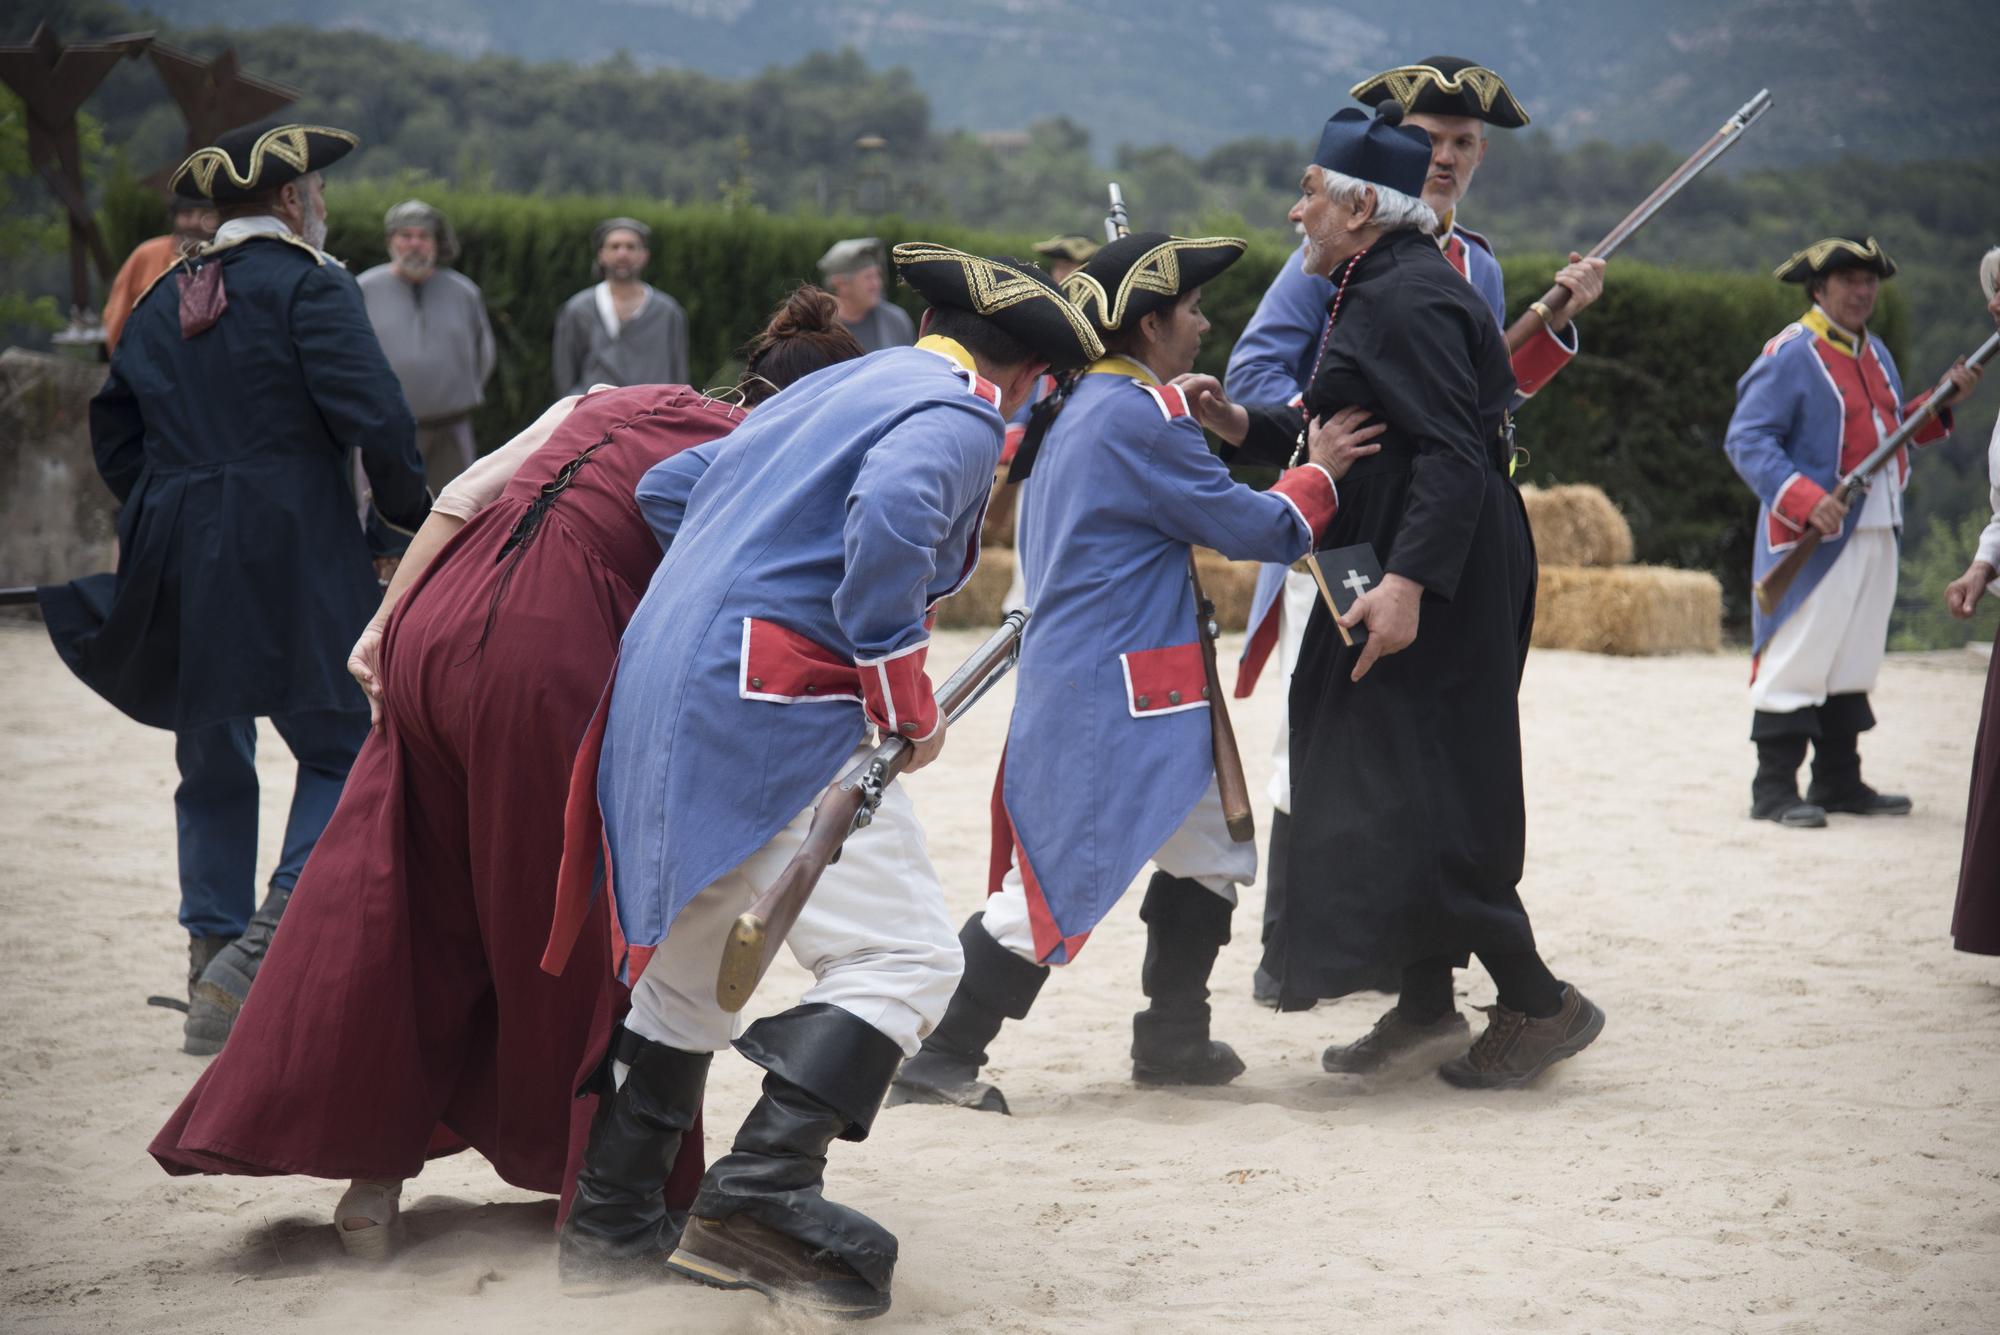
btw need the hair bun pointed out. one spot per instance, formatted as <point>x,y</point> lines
<point>808,310</point>
<point>1390,112</point>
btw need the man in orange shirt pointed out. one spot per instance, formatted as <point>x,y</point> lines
<point>193,222</point>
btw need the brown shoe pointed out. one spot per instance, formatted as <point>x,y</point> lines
<point>1391,1040</point>
<point>1515,1049</point>
<point>740,1253</point>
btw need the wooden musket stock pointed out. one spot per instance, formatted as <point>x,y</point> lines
<point>1557,297</point>
<point>1771,589</point>
<point>850,804</point>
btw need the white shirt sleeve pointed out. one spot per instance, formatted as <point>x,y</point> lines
<point>480,485</point>
<point>1989,540</point>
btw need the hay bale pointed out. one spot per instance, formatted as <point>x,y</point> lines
<point>1577,526</point>
<point>1228,583</point>
<point>1632,611</point>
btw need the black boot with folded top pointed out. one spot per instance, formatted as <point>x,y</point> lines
<point>1186,925</point>
<point>997,986</point>
<point>762,1220</point>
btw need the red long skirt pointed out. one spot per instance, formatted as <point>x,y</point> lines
<point>402,1012</point>
<point>1975,924</point>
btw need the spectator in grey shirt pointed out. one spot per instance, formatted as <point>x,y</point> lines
<point>432,323</point>
<point>853,270</point>
<point>622,331</point>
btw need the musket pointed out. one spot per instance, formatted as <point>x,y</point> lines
<point>1533,320</point>
<point>1771,589</point>
<point>842,809</point>
<point>1229,781</point>
<point>18,597</point>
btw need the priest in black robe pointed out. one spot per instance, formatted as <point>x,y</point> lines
<point>1408,819</point>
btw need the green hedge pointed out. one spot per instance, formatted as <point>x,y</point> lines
<point>1641,412</point>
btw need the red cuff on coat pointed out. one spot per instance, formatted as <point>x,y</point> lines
<point>897,694</point>
<point>1538,361</point>
<point>1795,500</point>
<point>1934,430</point>
<point>1311,492</point>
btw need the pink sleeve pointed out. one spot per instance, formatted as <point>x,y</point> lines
<point>480,485</point>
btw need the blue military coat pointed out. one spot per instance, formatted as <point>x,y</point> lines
<point>804,553</point>
<point>1108,750</point>
<point>1813,405</point>
<point>243,576</point>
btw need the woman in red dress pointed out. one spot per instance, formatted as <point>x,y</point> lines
<point>402,1012</point>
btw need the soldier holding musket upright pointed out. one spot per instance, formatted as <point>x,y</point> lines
<point>1816,402</point>
<point>1406,750</point>
<point>1455,102</point>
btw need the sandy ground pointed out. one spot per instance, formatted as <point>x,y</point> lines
<point>1791,1123</point>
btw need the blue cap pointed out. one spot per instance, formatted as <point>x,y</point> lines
<point>1380,150</point>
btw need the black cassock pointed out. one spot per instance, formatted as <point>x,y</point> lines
<point>1407,814</point>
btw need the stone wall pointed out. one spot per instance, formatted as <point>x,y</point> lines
<point>57,518</point>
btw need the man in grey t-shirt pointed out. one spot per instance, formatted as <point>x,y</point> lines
<point>432,323</point>
<point>623,331</point>
<point>853,272</point>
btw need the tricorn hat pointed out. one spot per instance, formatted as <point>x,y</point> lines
<point>1380,150</point>
<point>1446,86</point>
<point>1836,252</point>
<point>1013,294</point>
<point>416,213</point>
<point>1146,271</point>
<point>249,162</point>
<point>850,256</point>
<point>1069,246</point>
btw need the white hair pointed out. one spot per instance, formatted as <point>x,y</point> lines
<point>1393,208</point>
<point>1989,272</point>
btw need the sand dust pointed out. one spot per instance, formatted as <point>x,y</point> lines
<point>1792,1122</point>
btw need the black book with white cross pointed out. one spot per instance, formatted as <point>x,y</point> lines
<point>1343,575</point>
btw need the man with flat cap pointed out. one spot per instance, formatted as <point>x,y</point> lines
<point>1409,821</point>
<point>1112,681</point>
<point>1455,102</point>
<point>788,619</point>
<point>622,331</point>
<point>245,376</point>
<point>1816,402</point>
<point>853,273</point>
<point>433,326</point>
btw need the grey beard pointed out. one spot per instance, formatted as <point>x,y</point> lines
<point>315,233</point>
<point>415,267</point>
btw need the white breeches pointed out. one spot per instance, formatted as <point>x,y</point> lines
<point>875,935</point>
<point>1295,605</point>
<point>1832,644</point>
<point>1017,591</point>
<point>1200,850</point>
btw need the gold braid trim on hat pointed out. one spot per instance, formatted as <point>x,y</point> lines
<point>996,287</point>
<point>286,143</point>
<point>1157,271</point>
<point>1819,253</point>
<point>1405,82</point>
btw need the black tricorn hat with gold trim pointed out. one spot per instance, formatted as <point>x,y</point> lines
<point>249,162</point>
<point>1836,252</point>
<point>1146,271</point>
<point>1071,246</point>
<point>1013,294</point>
<point>1446,86</point>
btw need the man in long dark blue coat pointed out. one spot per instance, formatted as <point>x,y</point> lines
<point>244,376</point>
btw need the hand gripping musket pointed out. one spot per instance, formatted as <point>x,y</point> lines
<point>1536,317</point>
<point>842,809</point>
<point>1771,589</point>
<point>1229,780</point>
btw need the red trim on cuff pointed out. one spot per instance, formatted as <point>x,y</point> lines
<point>1934,430</point>
<point>1311,491</point>
<point>897,694</point>
<point>1538,361</point>
<point>1795,500</point>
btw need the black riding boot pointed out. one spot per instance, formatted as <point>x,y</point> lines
<point>1186,924</point>
<point>202,951</point>
<point>1781,748</point>
<point>1836,766</point>
<point>1277,861</point>
<point>219,994</point>
<point>619,1227</point>
<point>762,1220</point>
<point>997,986</point>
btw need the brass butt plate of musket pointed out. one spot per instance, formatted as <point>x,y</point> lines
<point>742,961</point>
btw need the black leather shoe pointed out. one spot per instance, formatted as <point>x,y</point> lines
<point>1864,801</point>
